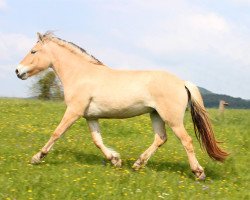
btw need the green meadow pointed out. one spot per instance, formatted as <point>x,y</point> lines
<point>76,169</point>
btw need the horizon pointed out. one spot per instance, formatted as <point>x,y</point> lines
<point>206,43</point>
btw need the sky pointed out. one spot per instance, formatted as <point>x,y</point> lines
<point>205,42</point>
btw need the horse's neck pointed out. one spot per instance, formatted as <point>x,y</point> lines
<point>68,66</point>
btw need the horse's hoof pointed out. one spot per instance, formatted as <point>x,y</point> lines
<point>137,165</point>
<point>35,160</point>
<point>199,173</point>
<point>117,162</point>
<point>202,176</point>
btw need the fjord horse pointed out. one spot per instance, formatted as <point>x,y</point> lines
<point>93,90</point>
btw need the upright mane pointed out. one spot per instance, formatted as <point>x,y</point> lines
<point>71,47</point>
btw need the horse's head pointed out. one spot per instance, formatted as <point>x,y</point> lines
<point>224,103</point>
<point>38,59</point>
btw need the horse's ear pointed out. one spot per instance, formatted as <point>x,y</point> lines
<point>39,36</point>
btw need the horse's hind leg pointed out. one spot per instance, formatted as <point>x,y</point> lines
<point>110,154</point>
<point>174,118</point>
<point>186,141</point>
<point>160,138</point>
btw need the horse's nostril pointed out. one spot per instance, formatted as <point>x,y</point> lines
<point>16,71</point>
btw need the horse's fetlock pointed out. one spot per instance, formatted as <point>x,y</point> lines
<point>116,161</point>
<point>43,154</point>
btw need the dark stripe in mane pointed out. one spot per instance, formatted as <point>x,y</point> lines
<point>82,50</point>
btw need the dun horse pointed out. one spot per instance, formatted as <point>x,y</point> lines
<point>222,105</point>
<point>92,90</point>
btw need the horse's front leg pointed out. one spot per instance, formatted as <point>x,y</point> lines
<point>68,119</point>
<point>110,154</point>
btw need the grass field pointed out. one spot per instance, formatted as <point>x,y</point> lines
<point>76,169</point>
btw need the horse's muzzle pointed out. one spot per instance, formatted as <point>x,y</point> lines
<point>22,76</point>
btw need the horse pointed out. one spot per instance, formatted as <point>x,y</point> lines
<point>93,90</point>
<point>222,106</point>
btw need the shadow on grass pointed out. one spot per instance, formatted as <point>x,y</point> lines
<point>93,159</point>
<point>76,156</point>
<point>182,168</point>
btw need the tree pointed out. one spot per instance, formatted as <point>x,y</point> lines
<point>47,87</point>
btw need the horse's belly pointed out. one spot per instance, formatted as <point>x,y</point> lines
<point>97,110</point>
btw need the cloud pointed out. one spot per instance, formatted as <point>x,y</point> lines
<point>14,46</point>
<point>198,34</point>
<point>3,5</point>
<point>193,32</point>
<point>241,2</point>
<point>180,28</point>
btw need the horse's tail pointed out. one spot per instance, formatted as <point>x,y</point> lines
<point>202,125</point>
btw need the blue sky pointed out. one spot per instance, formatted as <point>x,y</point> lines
<point>206,42</point>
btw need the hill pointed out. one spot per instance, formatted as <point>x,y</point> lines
<point>204,91</point>
<point>212,100</point>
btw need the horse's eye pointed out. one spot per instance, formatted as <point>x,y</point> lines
<point>32,51</point>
